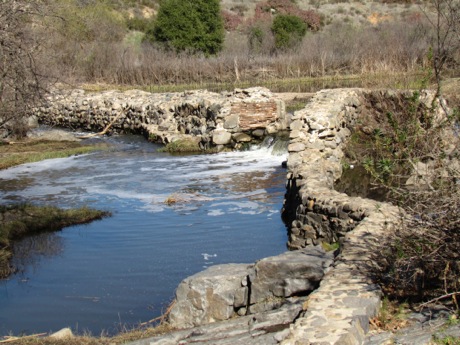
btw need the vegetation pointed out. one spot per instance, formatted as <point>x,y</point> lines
<point>34,151</point>
<point>24,220</point>
<point>21,83</point>
<point>182,146</point>
<point>191,26</point>
<point>288,30</point>
<point>118,53</point>
<point>409,146</point>
<point>122,338</point>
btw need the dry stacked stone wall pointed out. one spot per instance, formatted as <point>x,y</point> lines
<point>213,119</point>
<point>338,312</point>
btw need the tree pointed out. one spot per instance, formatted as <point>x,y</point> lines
<point>21,84</point>
<point>288,30</point>
<point>185,25</point>
<point>444,17</point>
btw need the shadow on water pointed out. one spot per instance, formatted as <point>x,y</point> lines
<point>357,182</point>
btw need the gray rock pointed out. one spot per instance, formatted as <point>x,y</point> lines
<point>231,122</point>
<point>242,138</point>
<point>288,274</point>
<point>296,147</point>
<point>209,296</point>
<point>221,137</point>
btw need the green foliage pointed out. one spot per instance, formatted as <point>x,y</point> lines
<point>193,26</point>
<point>288,31</point>
<point>182,146</point>
<point>139,24</point>
<point>256,38</point>
<point>86,22</point>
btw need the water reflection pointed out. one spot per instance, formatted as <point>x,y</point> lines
<point>30,251</point>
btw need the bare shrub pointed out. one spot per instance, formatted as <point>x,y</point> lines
<point>21,82</point>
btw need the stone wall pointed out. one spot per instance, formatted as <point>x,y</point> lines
<point>340,309</point>
<point>213,119</point>
<point>314,211</point>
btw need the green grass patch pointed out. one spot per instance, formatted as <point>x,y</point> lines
<point>329,247</point>
<point>185,146</point>
<point>18,221</point>
<point>29,152</point>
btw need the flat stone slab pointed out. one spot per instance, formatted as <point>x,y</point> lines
<point>263,328</point>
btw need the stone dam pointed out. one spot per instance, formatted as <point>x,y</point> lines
<point>306,295</point>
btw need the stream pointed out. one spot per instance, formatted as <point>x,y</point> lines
<point>112,274</point>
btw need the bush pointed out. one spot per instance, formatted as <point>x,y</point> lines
<point>288,30</point>
<point>265,9</point>
<point>194,26</point>
<point>95,21</point>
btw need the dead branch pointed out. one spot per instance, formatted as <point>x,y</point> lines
<point>9,339</point>
<point>452,294</point>
<point>105,129</point>
<point>161,317</point>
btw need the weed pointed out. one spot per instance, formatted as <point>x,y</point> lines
<point>329,247</point>
<point>182,146</point>
<point>392,315</point>
<point>447,340</point>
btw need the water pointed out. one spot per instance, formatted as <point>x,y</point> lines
<point>123,270</point>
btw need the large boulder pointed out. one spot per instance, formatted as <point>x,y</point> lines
<point>226,291</point>
<point>211,295</point>
<point>290,274</point>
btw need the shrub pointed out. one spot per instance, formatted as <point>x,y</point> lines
<point>265,9</point>
<point>194,26</point>
<point>288,30</point>
<point>21,80</point>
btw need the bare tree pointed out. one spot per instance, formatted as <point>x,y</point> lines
<point>21,85</point>
<point>444,17</point>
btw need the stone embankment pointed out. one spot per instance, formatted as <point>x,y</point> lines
<point>212,119</point>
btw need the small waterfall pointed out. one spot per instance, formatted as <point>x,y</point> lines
<point>277,145</point>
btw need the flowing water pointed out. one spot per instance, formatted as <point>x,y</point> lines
<point>123,270</point>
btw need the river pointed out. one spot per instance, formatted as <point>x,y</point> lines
<point>115,273</point>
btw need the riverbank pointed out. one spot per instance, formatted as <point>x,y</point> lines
<point>34,150</point>
<point>18,221</point>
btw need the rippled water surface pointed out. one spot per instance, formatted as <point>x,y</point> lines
<point>124,269</point>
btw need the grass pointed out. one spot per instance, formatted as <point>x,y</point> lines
<point>34,151</point>
<point>18,221</point>
<point>301,84</point>
<point>182,146</point>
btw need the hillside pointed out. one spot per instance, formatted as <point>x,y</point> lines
<point>356,11</point>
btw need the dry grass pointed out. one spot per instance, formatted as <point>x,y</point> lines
<point>121,338</point>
